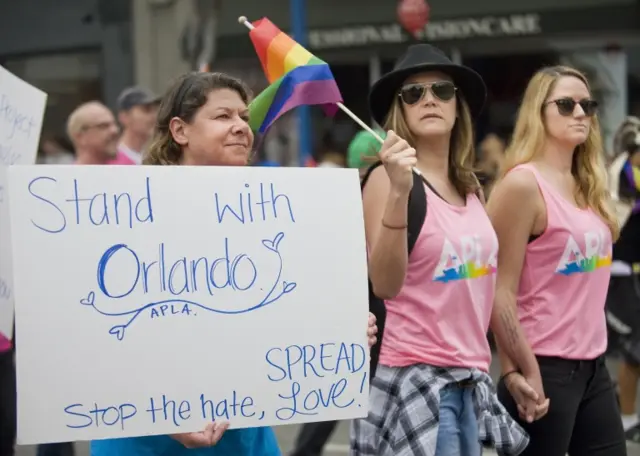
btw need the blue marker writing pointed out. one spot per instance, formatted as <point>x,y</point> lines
<point>169,410</point>
<point>5,289</point>
<point>15,120</point>
<point>79,416</point>
<point>8,156</point>
<point>296,362</point>
<point>178,275</point>
<point>265,204</point>
<point>226,409</point>
<point>241,274</point>
<point>96,209</point>
<point>307,403</point>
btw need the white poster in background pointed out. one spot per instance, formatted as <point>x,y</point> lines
<point>21,111</point>
<point>151,300</point>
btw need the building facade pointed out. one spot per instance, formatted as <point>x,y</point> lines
<point>75,50</point>
<point>84,49</point>
<point>505,41</point>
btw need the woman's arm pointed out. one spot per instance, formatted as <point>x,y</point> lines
<point>506,365</point>
<point>530,406</point>
<point>385,207</point>
<point>514,209</point>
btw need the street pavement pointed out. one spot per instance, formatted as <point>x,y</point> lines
<point>339,444</point>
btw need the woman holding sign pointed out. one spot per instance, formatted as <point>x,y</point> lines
<point>432,394</point>
<point>203,121</point>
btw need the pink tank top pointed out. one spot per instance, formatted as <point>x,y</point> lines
<point>121,159</point>
<point>441,315</point>
<point>564,280</point>
<point>5,344</point>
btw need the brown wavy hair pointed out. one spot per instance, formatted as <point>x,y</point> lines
<point>184,99</point>
<point>462,155</point>
<point>587,167</point>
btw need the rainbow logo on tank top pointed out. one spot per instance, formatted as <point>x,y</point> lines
<point>468,270</point>
<point>469,265</point>
<point>574,261</point>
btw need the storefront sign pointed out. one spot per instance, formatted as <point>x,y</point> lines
<point>568,22</point>
<point>487,27</point>
<point>447,29</point>
<point>363,35</point>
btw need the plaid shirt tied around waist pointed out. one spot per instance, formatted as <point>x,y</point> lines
<point>404,406</point>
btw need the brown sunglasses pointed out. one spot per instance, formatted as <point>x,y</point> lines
<point>567,106</point>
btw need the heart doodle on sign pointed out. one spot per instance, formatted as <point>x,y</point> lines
<point>89,300</point>
<point>288,286</point>
<point>273,294</point>
<point>118,331</point>
<point>273,244</point>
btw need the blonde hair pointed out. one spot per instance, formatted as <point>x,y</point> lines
<point>529,137</point>
<point>184,99</point>
<point>461,152</point>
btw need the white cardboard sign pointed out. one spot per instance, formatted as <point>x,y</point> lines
<point>21,111</point>
<point>151,300</point>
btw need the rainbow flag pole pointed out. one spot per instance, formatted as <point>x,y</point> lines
<point>243,20</point>
<point>296,78</point>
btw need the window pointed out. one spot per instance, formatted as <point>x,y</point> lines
<point>69,79</point>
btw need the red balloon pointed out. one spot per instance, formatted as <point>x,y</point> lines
<point>413,15</point>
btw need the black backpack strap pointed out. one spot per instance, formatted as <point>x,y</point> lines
<point>417,211</point>
<point>367,174</point>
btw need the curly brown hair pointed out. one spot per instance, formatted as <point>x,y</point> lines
<point>184,99</point>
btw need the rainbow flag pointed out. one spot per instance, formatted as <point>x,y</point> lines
<point>296,77</point>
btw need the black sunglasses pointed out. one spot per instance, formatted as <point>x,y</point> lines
<point>413,93</point>
<point>566,106</point>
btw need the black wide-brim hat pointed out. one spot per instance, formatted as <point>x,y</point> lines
<point>421,58</point>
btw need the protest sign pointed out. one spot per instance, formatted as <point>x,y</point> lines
<point>151,300</point>
<point>21,110</point>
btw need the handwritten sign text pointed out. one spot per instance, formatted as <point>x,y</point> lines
<point>21,111</point>
<point>168,297</point>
